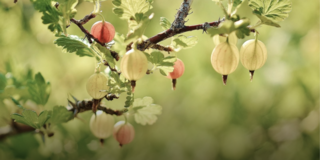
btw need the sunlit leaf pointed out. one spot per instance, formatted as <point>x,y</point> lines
<point>145,111</point>
<point>74,44</point>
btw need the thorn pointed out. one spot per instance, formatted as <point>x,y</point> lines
<point>251,75</point>
<point>174,83</point>
<point>75,99</point>
<point>224,79</point>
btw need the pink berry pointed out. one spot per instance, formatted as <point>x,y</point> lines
<point>177,71</point>
<point>123,132</point>
<point>104,32</point>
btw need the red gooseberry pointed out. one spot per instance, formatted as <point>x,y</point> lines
<point>103,31</point>
<point>176,73</point>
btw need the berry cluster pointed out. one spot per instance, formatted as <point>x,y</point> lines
<point>225,56</point>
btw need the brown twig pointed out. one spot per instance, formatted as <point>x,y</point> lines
<point>76,107</point>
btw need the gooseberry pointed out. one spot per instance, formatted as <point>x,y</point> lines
<point>253,55</point>
<point>96,84</point>
<point>103,31</point>
<point>225,59</point>
<point>176,73</point>
<point>101,124</point>
<point>134,65</point>
<point>232,38</point>
<point>123,132</point>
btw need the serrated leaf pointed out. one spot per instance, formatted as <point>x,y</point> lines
<point>165,23</point>
<point>145,111</point>
<point>228,26</point>
<point>274,10</point>
<point>16,103</point>
<point>119,46</point>
<point>60,114</point>
<point>138,30</point>
<point>237,3</point>
<point>50,14</point>
<point>31,118</point>
<point>164,64</point>
<point>74,44</point>
<point>116,83</point>
<point>156,57</point>
<point>44,116</point>
<point>39,89</point>
<point>266,21</point>
<point>184,42</point>
<point>105,53</point>
<point>68,11</point>
<point>127,9</point>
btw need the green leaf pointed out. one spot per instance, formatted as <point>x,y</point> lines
<point>16,103</point>
<point>39,89</point>
<point>165,23</point>
<point>138,31</point>
<point>3,81</point>
<point>127,9</point>
<point>44,116</point>
<point>164,64</point>
<point>228,26</point>
<point>145,112</point>
<point>74,44</point>
<point>50,14</point>
<point>105,53</point>
<point>31,118</point>
<point>60,114</point>
<point>184,42</point>
<point>270,11</point>
<point>67,10</point>
<point>237,3</point>
<point>119,46</point>
<point>265,20</point>
<point>156,57</point>
<point>116,83</point>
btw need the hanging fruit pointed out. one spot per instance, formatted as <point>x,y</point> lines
<point>123,132</point>
<point>96,85</point>
<point>225,59</point>
<point>101,125</point>
<point>103,31</point>
<point>253,55</point>
<point>134,65</point>
<point>176,73</point>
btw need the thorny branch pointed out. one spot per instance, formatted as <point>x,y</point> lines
<point>74,107</point>
<point>82,106</point>
<point>89,36</point>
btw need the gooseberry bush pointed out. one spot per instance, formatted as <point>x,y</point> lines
<point>139,55</point>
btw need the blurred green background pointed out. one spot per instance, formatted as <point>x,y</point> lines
<point>275,117</point>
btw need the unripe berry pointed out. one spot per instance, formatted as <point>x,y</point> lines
<point>253,55</point>
<point>103,31</point>
<point>134,65</point>
<point>217,39</point>
<point>101,125</point>
<point>176,73</point>
<point>225,59</point>
<point>123,132</point>
<point>97,83</point>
